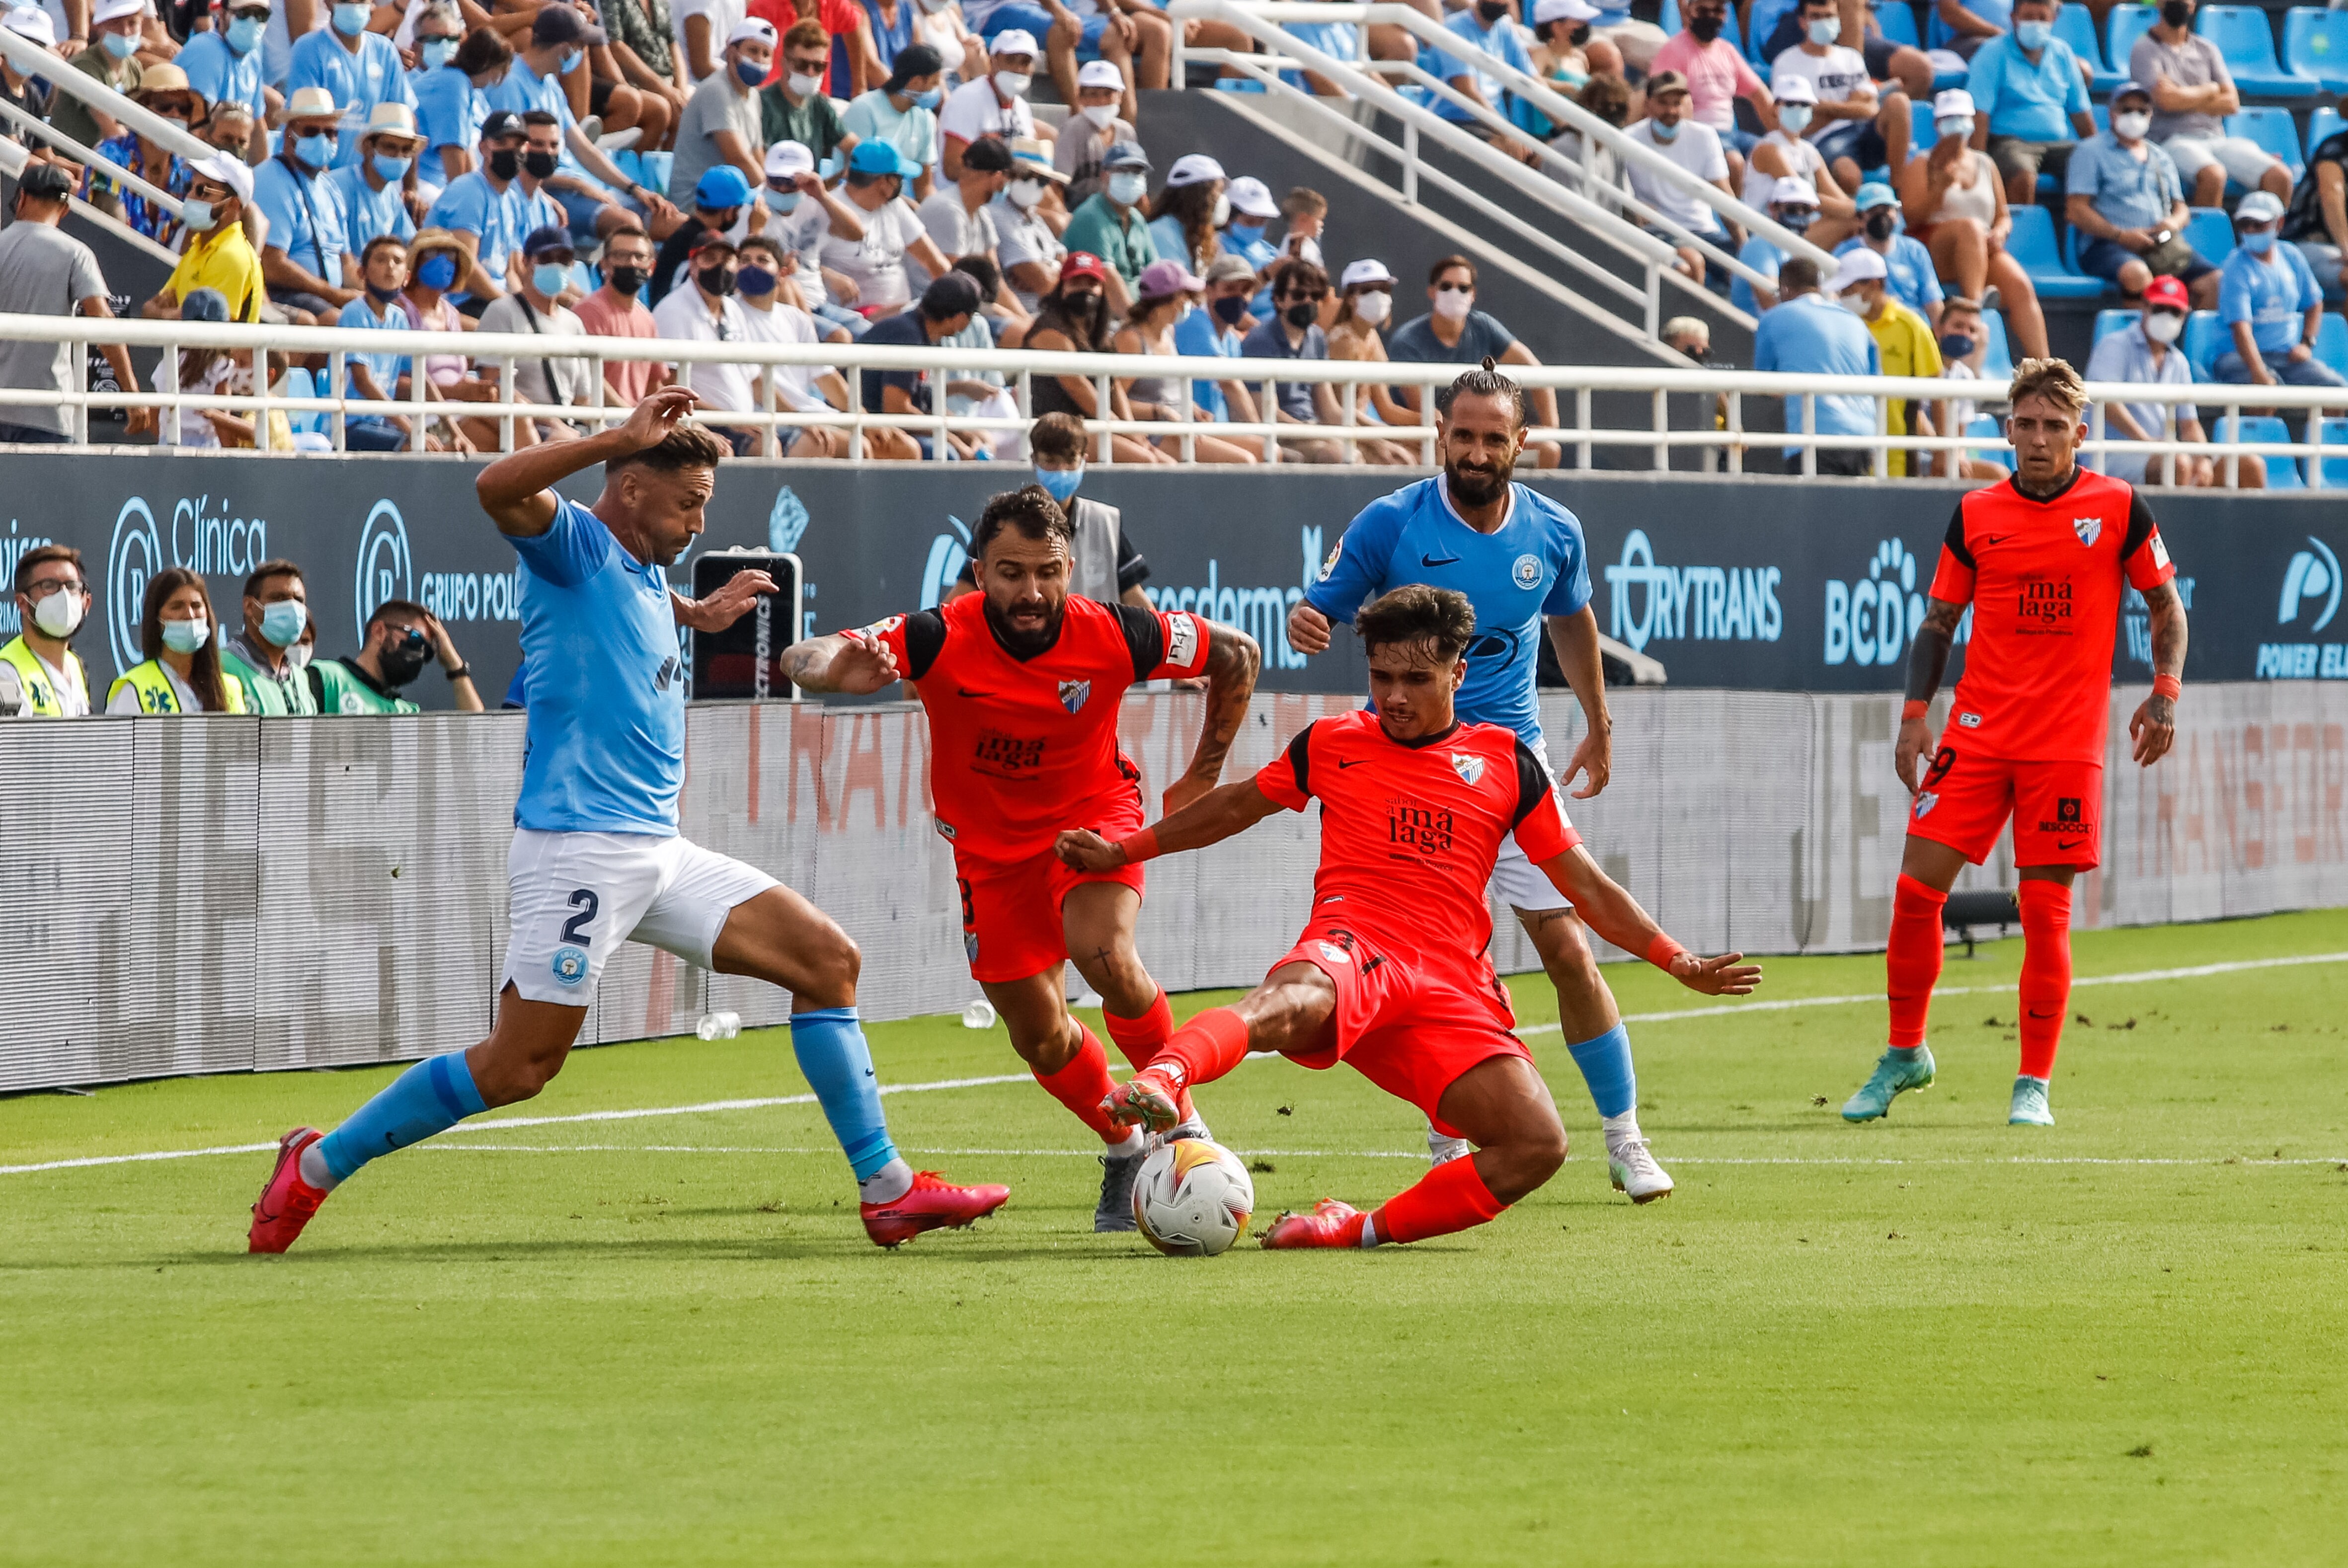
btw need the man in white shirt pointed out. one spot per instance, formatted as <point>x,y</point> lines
<point>996,105</point>
<point>873,267</point>
<point>1850,126</point>
<point>801,213</point>
<point>799,388</point>
<point>960,221</point>
<point>533,310</point>
<point>1025,245</point>
<point>708,313</point>
<point>1671,130</point>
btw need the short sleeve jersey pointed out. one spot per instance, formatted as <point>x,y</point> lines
<point>2045,580</point>
<point>1021,749</point>
<point>606,684</point>
<point>1535,564</point>
<point>1409,829</point>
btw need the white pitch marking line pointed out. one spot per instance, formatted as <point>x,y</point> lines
<point>1360,1154</point>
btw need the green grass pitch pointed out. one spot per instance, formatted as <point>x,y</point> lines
<point>664,1340</point>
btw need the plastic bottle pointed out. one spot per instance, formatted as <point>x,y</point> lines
<point>719,1026</point>
<point>978,1014</point>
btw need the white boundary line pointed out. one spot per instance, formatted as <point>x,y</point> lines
<point>2134,978</point>
<point>1363,1154</point>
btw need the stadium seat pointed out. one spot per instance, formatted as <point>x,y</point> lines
<point>1670,21</point>
<point>2031,244</point>
<point>1997,358</point>
<point>2274,129</point>
<point>2071,242</point>
<point>2102,115</point>
<point>2323,123</point>
<point>2283,473</point>
<point>297,382</point>
<point>2204,338</point>
<point>2332,341</point>
<point>2210,234</point>
<point>2243,35</point>
<point>2315,44</point>
<point>2125,25</point>
<point>2108,322</point>
<point>2075,25</point>
<point>1920,134</point>
<point>2335,469</point>
<point>1998,452</point>
<point>1898,23</point>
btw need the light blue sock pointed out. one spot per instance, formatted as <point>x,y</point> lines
<point>829,1044</point>
<point>1605,1064</point>
<point>431,1097</point>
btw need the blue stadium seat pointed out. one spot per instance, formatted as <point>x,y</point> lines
<point>2274,129</point>
<point>2244,37</point>
<point>1670,21</point>
<point>2332,341</point>
<point>1921,133</point>
<point>2323,123</point>
<point>1997,358</point>
<point>1997,452</point>
<point>2031,244</point>
<point>2204,338</point>
<point>2075,25</point>
<point>2283,473</point>
<point>297,382</point>
<point>2071,242</point>
<point>2126,23</point>
<point>2335,469</point>
<point>2101,114</point>
<point>2210,234</point>
<point>1898,23</point>
<point>2315,44</point>
<point>2108,322</point>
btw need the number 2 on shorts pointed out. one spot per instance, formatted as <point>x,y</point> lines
<point>584,901</point>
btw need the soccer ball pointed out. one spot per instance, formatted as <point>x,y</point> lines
<point>1193,1198</point>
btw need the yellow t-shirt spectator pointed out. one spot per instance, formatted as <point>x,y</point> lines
<point>222,260</point>
<point>1905,341</point>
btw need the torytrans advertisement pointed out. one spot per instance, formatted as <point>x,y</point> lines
<point>1816,586</point>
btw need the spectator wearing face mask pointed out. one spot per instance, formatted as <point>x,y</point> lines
<point>2126,201</point>
<point>1906,264</point>
<point>375,189</point>
<point>383,275</point>
<point>1695,148</point>
<point>1563,52</point>
<point>435,260</point>
<point>1853,126</point>
<point>1904,345</point>
<point>533,310</point>
<point>1163,294</point>
<point>52,606</point>
<point>960,221</point>
<point>719,199</point>
<point>1365,305</point>
<point>1808,335</point>
<point>1076,318</point>
<point>704,310</point>
<point>265,660</point>
<point>1956,208</point>
<point>111,57</point>
<point>617,309</point>
<point>1025,242</point>
<point>302,258</point>
<point>1491,26</point>
<point>873,269</point>
<point>484,211</point>
<point>1189,211</point>
<point>1093,128</point>
<point>1964,345</point>
<point>2031,94</point>
<point>903,112</point>
<point>400,638</point>
<point>1103,564</point>
<point>1454,332</point>
<point>1293,332</point>
<point>802,212</point>
<point>995,105</point>
<point>358,70</point>
<point>2147,354</point>
<point>2191,93</point>
<point>766,273</point>
<point>1111,225</point>
<point>214,253</point>
<point>1785,154</point>
<point>29,93</point>
<point>1216,331</point>
<point>720,126</point>
<point>1251,208</point>
<point>1717,76</point>
<point>43,271</point>
<point>224,64</point>
<point>180,672</point>
<point>2269,300</point>
<point>1794,203</point>
<point>794,106</point>
<point>451,87</point>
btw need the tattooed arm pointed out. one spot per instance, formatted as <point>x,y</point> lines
<point>1232,662</point>
<point>853,662</point>
<point>2153,728</point>
<point>1928,660</point>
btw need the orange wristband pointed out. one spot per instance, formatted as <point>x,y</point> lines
<point>1140,847</point>
<point>2168,687</point>
<point>1662,950</point>
<point>1913,709</point>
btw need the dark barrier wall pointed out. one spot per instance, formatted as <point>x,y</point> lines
<point>1758,583</point>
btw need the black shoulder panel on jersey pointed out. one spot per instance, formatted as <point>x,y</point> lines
<point>1145,637</point>
<point>925,639</point>
<point>1532,783</point>
<point>2141,523</point>
<point>1956,537</point>
<point>1300,759</point>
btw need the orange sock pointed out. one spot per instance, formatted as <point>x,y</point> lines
<point>1081,1085</point>
<point>1206,1048</point>
<point>1911,963</point>
<point>1141,1039</point>
<point>2045,972</point>
<point>1451,1197</point>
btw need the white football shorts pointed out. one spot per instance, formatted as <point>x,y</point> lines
<point>1520,883</point>
<point>577,896</point>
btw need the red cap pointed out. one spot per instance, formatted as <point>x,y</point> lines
<point>1083,265</point>
<point>2167,291</point>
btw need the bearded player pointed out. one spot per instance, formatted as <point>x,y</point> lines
<point>1023,683</point>
<point>596,859</point>
<point>1519,558</point>
<point>2042,558</point>
<point>1391,972</point>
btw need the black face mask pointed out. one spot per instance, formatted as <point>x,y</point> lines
<point>1491,11</point>
<point>1579,36</point>
<point>718,281</point>
<point>404,660</point>
<point>539,164</point>
<point>1880,224</point>
<point>1231,309</point>
<point>505,163</point>
<point>1302,314</point>
<point>1705,28</point>
<point>2177,13</point>
<point>625,281</point>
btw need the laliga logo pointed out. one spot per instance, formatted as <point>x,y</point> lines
<point>2307,579</point>
<point>383,569</point>
<point>1868,621</point>
<point>134,557</point>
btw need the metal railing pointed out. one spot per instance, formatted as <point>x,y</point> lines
<point>1719,395</point>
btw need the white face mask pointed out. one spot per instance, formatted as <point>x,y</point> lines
<point>1794,118</point>
<point>1961,127</point>
<point>1222,213</point>
<point>1451,304</point>
<point>1373,308</point>
<point>2132,126</point>
<point>59,614</point>
<point>1024,193</point>
<point>805,85</point>
<point>1852,303</point>
<point>1011,84</point>
<point>1102,115</point>
<point>2163,325</point>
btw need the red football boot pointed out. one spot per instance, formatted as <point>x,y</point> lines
<point>287,1202</point>
<point>931,1203</point>
<point>1147,1100</point>
<point>1329,1224</point>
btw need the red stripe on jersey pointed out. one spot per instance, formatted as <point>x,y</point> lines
<point>1409,831</point>
<point>2045,579</point>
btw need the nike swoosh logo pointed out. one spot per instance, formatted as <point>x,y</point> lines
<point>1356,762</point>
<point>1995,538</point>
<point>1433,560</point>
<point>965,691</point>
<point>2072,845</point>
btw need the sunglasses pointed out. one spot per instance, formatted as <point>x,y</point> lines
<point>46,586</point>
<point>1313,297</point>
<point>1455,288</point>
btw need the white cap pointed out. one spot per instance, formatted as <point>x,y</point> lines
<point>1018,41</point>
<point>1563,10</point>
<point>1100,73</point>
<point>2258,207</point>
<point>1953,104</point>
<point>786,161</point>
<point>1365,271</point>
<point>312,103</point>
<point>751,28</point>
<point>227,169</point>
<point>1856,266</point>
<point>1193,169</point>
<point>1795,89</point>
<point>1250,195</point>
<point>32,22</point>
<point>115,10</point>
<point>1790,191</point>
